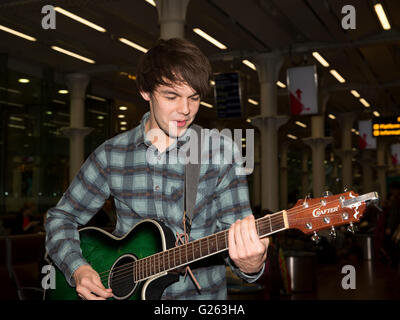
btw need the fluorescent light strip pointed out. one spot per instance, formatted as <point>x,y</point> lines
<point>253,102</point>
<point>74,55</point>
<point>376,113</point>
<point>151,2</point>
<point>380,12</point>
<point>133,45</point>
<point>79,19</point>
<point>337,76</point>
<point>95,98</point>
<point>249,64</point>
<point>355,93</point>
<point>11,103</point>
<point>204,35</point>
<point>10,90</point>
<point>280,84</point>
<point>206,104</point>
<point>301,124</point>
<point>58,101</point>
<point>16,33</point>
<point>292,136</point>
<point>365,103</point>
<point>321,60</point>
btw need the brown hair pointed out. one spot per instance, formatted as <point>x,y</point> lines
<point>174,61</point>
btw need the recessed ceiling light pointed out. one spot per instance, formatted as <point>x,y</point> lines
<point>280,84</point>
<point>301,124</point>
<point>121,116</point>
<point>380,12</point>
<point>72,54</point>
<point>337,76</point>
<point>123,108</point>
<point>206,36</point>
<point>123,123</point>
<point>151,2</point>
<point>63,91</point>
<point>133,45</point>
<point>331,116</point>
<point>23,80</point>
<point>355,93</point>
<point>364,102</point>
<point>249,64</point>
<point>321,60</point>
<point>253,102</point>
<point>17,33</point>
<point>206,104</point>
<point>79,19</point>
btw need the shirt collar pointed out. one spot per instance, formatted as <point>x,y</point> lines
<point>141,135</point>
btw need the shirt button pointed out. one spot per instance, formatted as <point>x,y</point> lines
<point>159,157</point>
<point>157,188</point>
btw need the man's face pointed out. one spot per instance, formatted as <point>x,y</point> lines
<point>172,108</point>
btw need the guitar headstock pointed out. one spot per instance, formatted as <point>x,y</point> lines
<point>310,215</point>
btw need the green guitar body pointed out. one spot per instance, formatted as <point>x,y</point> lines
<point>104,251</point>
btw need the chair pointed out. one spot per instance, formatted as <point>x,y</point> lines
<point>24,254</point>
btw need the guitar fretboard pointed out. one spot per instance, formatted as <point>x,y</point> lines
<point>198,249</point>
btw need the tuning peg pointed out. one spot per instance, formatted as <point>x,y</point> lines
<point>327,193</point>
<point>316,238</point>
<point>351,228</point>
<point>332,233</point>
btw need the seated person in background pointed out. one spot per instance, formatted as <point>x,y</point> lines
<point>26,219</point>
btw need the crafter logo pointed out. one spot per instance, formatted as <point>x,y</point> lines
<point>318,212</point>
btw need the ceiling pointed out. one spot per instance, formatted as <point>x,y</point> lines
<point>367,57</point>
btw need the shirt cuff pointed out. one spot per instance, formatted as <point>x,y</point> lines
<point>71,263</point>
<point>246,277</point>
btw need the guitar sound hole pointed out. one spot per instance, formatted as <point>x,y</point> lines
<point>121,279</point>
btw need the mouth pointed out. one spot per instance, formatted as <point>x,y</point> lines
<point>181,123</point>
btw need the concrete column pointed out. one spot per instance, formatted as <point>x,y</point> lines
<point>367,161</point>
<point>381,166</point>
<point>257,173</point>
<point>318,142</point>
<point>304,174</point>
<point>346,153</point>
<point>268,66</point>
<point>77,84</point>
<point>172,18</point>
<point>284,176</point>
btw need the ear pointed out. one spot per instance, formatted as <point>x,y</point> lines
<point>145,95</point>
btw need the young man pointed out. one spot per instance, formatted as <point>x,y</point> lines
<point>172,76</point>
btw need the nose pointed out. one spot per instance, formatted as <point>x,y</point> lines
<point>183,107</point>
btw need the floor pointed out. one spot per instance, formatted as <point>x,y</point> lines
<point>373,281</point>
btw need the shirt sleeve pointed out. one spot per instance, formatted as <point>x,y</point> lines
<point>84,197</point>
<point>232,200</point>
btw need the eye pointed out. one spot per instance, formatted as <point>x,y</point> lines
<point>197,98</point>
<point>171,98</point>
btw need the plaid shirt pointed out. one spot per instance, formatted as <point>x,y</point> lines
<point>142,190</point>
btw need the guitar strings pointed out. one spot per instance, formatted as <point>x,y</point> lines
<point>262,222</point>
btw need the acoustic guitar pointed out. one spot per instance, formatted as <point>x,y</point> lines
<point>141,264</point>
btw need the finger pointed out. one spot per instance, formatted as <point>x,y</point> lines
<point>238,236</point>
<point>253,234</point>
<point>86,294</point>
<point>98,289</point>
<point>233,251</point>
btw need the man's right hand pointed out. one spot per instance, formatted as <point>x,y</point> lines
<point>88,284</point>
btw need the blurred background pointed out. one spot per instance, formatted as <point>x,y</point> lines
<point>317,80</point>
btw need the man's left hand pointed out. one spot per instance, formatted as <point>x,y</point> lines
<point>246,249</point>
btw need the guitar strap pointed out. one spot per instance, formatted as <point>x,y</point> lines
<point>191,181</point>
<point>192,173</point>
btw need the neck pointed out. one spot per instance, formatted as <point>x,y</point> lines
<point>195,250</point>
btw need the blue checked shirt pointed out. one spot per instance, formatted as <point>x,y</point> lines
<point>143,189</point>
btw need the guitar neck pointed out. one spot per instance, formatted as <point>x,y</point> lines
<point>202,248</point>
